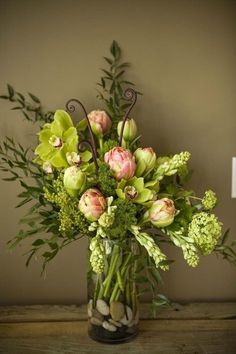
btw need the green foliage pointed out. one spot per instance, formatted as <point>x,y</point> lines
<point>16,161</point>
<point>108,145</point>
<point>106,182</point>
<point>125,216</point>
<point>225,249</point>
<point>113,84</point>
<point>32,110</point>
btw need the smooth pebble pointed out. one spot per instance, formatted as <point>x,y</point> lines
<point>110,327</point>
<point>117,310</point>
<point>115,323</point>
<point>102,307</point>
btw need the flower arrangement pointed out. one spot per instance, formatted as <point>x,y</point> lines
<point>94,179</point>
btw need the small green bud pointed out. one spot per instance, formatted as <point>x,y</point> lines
<point>130,129</point>
<point>74,181</point>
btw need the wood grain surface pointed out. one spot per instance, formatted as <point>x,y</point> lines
<point>197,328</point>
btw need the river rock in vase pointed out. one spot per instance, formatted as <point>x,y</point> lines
<point>113,305</point>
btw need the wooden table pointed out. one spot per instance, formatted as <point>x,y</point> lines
<point>196,328</point>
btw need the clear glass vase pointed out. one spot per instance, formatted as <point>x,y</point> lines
<point>113,314</point>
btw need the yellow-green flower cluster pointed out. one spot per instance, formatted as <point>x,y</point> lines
<point>190,252</point>
<point>97,255</point>
<point>171,165</point>
<point>205,230</point>
<point>68,215</point>
<point>153,250</point>
<point>209,200</point>
<point>60,197</point>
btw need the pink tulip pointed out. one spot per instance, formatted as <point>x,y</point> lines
<point>100,122</point>
<point>121,162</point>
<point>92,204</point>
<point>162,212</point>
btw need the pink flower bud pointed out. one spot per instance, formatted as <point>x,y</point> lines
<point>100,122</point>
<point>92,204</point>
<point>145,159</point>
<point>162,212</point>
<point>121,162</point>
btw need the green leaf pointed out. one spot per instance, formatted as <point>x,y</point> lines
<point>115,50</point>
<point>120,74</point>
<point>21,96</point>
<point>11,91</point>
<point>160,300</point>
<point>34,98</point>
<point>38,242</point>
<point>26,115</point>
<point>108,60</point>
<point>225,237</point>
<point>108,74</point>
<point>15,108</point>
<point>82,125</point>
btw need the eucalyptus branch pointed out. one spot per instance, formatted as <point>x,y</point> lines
<point>113,85</point>
<point>30,107</point>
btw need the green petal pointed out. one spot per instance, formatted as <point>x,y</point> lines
<point>120,193</point>
<point>144,196</point>
<point>59,159</point>
<point>155,185</point>
<point>44,150</point>
<point>86,156</point>
<point>62,122</point>
<point>122,184</point>
<point>140,168</point>
<point>138,183</point>
<point>45,135</point>
<point>70,139</point>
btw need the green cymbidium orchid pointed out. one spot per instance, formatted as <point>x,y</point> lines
<point>56,140</point>
<point>134,190</point>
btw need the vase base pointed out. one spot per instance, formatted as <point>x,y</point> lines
<point>122,335</point>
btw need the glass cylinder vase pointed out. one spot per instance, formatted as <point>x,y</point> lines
<point>113,314</point>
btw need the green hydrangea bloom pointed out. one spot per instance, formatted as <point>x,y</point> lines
<point>205,230</point>
<point>57,139</point>
<point>209,200</point>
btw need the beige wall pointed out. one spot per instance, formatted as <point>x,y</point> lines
<point>183,56</point>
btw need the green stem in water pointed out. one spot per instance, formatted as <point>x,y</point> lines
<point>116,291</point>
<point>113,264</point>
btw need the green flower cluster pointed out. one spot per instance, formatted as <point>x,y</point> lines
<point>71,219</point>
<point>209,200</point>
<point>169,166</point>
<point>153,250</point>
<point>97,255</point>
<point>125,216</point>
<point>205,230</point>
